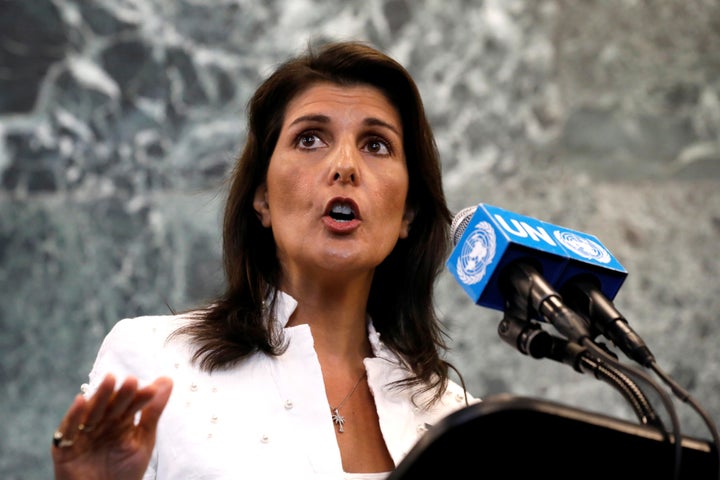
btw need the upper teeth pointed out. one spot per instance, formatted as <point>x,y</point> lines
<point>342,208</point>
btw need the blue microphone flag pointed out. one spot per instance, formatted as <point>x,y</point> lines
<point>487,238</point>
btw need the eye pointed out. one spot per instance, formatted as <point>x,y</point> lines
<point>378,146</point>
<point>308,141</point>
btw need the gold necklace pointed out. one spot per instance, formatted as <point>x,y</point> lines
<point>338,419</point>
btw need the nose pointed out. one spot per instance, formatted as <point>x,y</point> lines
<point>344,167</point>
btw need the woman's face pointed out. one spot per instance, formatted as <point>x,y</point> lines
<point>337,183</point>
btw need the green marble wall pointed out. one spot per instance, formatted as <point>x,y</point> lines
<point>120,119</point>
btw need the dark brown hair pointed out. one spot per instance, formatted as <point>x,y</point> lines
<point>401,297</point>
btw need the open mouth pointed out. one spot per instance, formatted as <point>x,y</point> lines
<point>342,210</point>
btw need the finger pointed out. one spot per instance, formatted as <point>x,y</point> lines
<point>130,399</point>
<point>82,409</point>
<point>74,415</point>
<point>152,411</point>
<point>68,425</point>
<point>161,386</point>
<point>147,427</point>
<point>98,403</point>
<point>122,399</point>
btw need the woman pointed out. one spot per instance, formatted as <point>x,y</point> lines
<point>323,358</point>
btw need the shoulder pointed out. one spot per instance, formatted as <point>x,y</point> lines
<point>141,346</point>
<point>457,397</point>
<point>454,398</point>
<point>147,327</point>
<point>143,333</point>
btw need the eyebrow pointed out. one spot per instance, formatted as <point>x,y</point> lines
<point>370,121</point>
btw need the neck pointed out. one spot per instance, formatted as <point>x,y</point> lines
<point>337,315</point>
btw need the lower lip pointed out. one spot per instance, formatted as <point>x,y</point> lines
<point>340,227</point>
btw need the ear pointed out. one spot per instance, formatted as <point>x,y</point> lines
<point>407,220</point>
<point>261,205</point>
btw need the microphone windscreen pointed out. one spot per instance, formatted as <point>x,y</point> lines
<point>460,223</point>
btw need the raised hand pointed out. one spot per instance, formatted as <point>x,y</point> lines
<point>101,438</point>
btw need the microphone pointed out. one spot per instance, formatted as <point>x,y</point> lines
<point>506,260</point>
<point>583,295</point>
<point>490,241</point>
<point>487,238</point>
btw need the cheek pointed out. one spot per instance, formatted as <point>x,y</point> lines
<point>287,190</point>
<point>394,196</point>
<point>398,186</point>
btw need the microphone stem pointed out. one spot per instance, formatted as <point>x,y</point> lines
<point>530,339</point>
<point>622,383</point>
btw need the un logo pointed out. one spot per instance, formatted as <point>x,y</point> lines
<point>583,246</point>
<point>477,253</point>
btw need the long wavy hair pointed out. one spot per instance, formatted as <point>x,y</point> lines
<point>401,303</point>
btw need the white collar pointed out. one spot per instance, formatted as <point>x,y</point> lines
<point>285,305</point>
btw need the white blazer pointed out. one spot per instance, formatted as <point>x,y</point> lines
<point>268,417</point>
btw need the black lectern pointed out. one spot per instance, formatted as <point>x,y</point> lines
<point>511,437</point>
